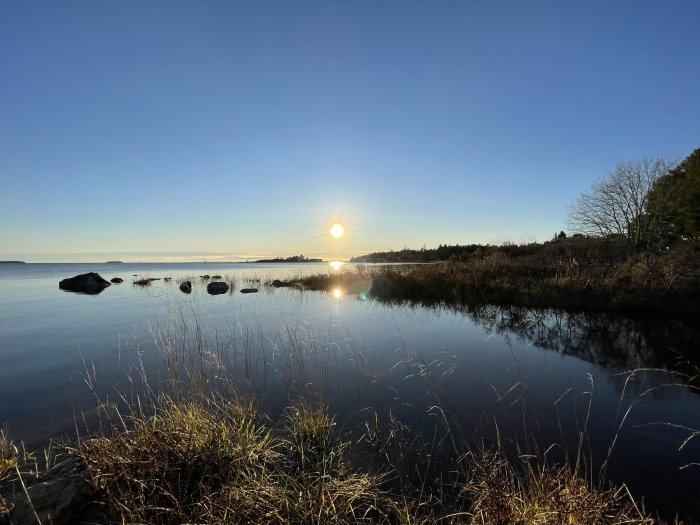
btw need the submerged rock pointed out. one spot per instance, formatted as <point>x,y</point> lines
<point>249,290</point>
<point>88,283</point>
<point>186,287</point>
<point>217,288</point>
<point>117,280</point>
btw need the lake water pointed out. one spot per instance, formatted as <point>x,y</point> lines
<point>540,376</point>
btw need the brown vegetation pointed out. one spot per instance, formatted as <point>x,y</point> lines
<point>577,273</point>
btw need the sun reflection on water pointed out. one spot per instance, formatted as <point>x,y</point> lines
<point>336,264</point>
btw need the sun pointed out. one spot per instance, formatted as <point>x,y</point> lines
<point>337,230</point>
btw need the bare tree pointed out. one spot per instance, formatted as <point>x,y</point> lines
<point>619,204</point>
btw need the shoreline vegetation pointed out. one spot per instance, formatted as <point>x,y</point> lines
<point>210,454</point>
<point>577,273</point>
<point>208,460</point>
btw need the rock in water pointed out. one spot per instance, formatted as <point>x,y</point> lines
<point>186,287</point>
<point>88,283</point>
<point>249,290</point>
<point>281,284</point>
<point>117,280</point>
<point>217,288</point>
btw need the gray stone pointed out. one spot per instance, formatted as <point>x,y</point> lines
<point>186,287</point>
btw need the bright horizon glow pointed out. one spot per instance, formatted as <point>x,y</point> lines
<point>336,265</point>
<point>176,130</point>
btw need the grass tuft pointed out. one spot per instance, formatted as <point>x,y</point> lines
<point>541,495</point>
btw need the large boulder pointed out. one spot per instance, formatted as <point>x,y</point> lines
<point>186,287</point>
<point>88,283</point>
<point>217,288</point>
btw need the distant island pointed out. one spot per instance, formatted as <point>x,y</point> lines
<point>114,262</point>
<point>292,259</point>
<point>12,262</point>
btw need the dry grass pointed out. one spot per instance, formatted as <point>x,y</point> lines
<point>542,495</point>
<point>9,456</point>
<point>208,462</point>
<point>9,463</point>
<point>211,462</point>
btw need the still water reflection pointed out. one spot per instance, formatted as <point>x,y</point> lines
<point>542,378</point>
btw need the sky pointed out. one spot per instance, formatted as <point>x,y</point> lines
<point>223,130</point>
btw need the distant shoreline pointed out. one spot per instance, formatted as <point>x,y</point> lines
<point>292,259</point>
<point>12,262</point>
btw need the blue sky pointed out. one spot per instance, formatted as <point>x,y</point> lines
<point>188,130</point>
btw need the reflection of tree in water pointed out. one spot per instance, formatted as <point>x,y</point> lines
<point>657,350</point>
<point>603,339</point>
<point>613,342</point>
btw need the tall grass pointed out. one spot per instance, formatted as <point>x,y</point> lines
<point>201,448</point>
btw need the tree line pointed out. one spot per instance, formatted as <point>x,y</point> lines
<point>646,205</point>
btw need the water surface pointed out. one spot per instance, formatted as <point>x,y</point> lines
<point>541,376</point>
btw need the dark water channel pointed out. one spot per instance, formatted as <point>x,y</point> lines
<point>549,382</point>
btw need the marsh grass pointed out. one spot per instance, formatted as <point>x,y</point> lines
<point>541,494</point>
<point>593,275</point>
<point>210,461</point>
<point>214,461</point>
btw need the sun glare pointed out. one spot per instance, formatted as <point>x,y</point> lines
<point>337,293</point>
<point>335,264</point>
<point>337,230</point>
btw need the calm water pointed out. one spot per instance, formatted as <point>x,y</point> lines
<point>533,373</point>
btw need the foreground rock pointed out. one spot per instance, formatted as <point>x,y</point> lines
<point>62,495</point>
<point>117,280</point>
<point>249,290</point>
<point>88,283</point>
<point>186,287</point>
<point>217,288</point>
